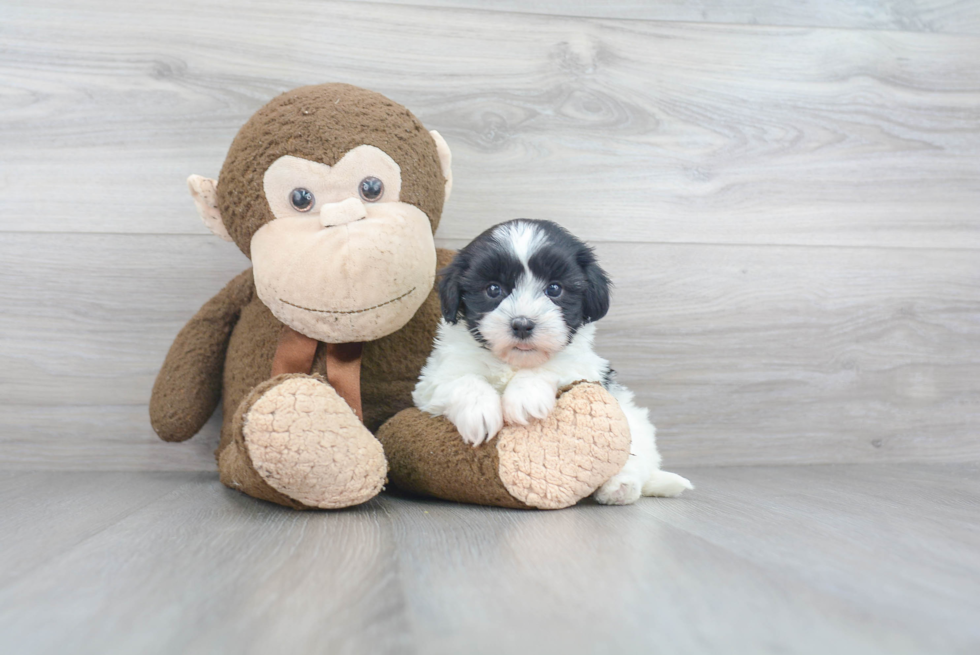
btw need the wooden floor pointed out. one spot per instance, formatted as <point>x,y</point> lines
<point>810,559</point>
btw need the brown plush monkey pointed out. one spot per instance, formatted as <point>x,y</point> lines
<point>334,193</point>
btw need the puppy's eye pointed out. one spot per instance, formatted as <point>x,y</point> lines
<point>301,200</point>
<point>553,290</point>
<point>494,290</point>
<point>371,189</point>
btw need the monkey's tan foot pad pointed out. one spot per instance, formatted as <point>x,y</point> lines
<point>555,462</point>
<point>308,444</point>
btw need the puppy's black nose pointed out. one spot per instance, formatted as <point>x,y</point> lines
<point>522,327</point>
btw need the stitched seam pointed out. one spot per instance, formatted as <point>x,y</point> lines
<point>350,311</point>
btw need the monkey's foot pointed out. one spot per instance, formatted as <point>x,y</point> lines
<point>307,444</point>
<point>555,462</point>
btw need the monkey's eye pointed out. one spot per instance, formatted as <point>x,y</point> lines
<point>494,290</point>
<point>553,290</point>
<point>371,189</point>
<point>301,200</point>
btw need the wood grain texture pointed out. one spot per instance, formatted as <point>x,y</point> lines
<point>960,17</point>
<point>743,354</point>
<point>844,354</point>
<point>850,559</point>
<point>98,437</point>
<point>623,130</point>
<point>47,514</point>
<point>202,570</point>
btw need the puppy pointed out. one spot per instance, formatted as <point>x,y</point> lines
<point>519,305</point>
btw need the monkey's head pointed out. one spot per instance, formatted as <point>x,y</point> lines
<point>334,192</point>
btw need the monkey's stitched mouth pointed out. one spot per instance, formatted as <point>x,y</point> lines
<point>348,311</point>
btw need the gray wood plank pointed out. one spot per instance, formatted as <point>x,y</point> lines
<point>8,476</point>
<point>849,559</point>
<point>97,438</point>
<point>625,130</point>
<point>776,355</point>
<point>743,354</point>
<point>895,541</point>
<point>47,514</point>
<point>99,312</point>
<point>205,570</point>
<point>961,16</point>
<point>598,580</point>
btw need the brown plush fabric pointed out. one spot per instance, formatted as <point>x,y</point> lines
<point>226,351</point>
<point>344,373</point>
<point>549,464</point>
<point>321,123</point>
<point>427,456</point>
<point>390,366</point>
<point>188,387</point>
<point>234,464</point>
<point>294,353</point>
<point>389,370</point>
<point>248,364</point>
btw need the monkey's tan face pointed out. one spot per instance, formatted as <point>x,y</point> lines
<point>344,260</point>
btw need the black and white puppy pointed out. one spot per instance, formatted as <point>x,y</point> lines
<point>519,305</point>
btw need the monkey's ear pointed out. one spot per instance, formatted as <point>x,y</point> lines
<point>204,190</point>
<point>450,291</point>
<point>445,159</point>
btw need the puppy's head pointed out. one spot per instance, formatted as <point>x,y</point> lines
<point>523,288</point>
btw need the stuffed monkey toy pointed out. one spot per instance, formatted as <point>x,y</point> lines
<point>334,193</point>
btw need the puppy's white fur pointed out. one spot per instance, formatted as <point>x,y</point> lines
<point>478,392</point>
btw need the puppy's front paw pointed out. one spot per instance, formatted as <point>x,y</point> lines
<point>621,489</point>
<point>476,414</point>
<point>528,397</point>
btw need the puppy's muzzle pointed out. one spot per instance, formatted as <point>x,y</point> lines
<point>522,327</point>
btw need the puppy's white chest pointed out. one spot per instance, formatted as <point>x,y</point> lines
<point>500,378</point>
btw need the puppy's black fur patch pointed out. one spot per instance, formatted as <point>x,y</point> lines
<point>559,258</point>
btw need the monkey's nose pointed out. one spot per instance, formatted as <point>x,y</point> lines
<point>522,327</point>
<point>338,213</point>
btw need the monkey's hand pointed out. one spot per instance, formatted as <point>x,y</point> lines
<point>188,387</point>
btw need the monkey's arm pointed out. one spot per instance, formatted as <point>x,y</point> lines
<point>188,387</point>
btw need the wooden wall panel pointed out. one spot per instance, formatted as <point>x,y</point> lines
<point>743,354</point>
<point>786,354</point>
<point>623,130</point>
<point>958,16</point>
<point>789,212</point>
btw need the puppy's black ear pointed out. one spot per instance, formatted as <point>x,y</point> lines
<point>450,290</point>
<point>596,301</point>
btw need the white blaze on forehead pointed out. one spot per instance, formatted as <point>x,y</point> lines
<point>521,238</point>
<point>528,300</point>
